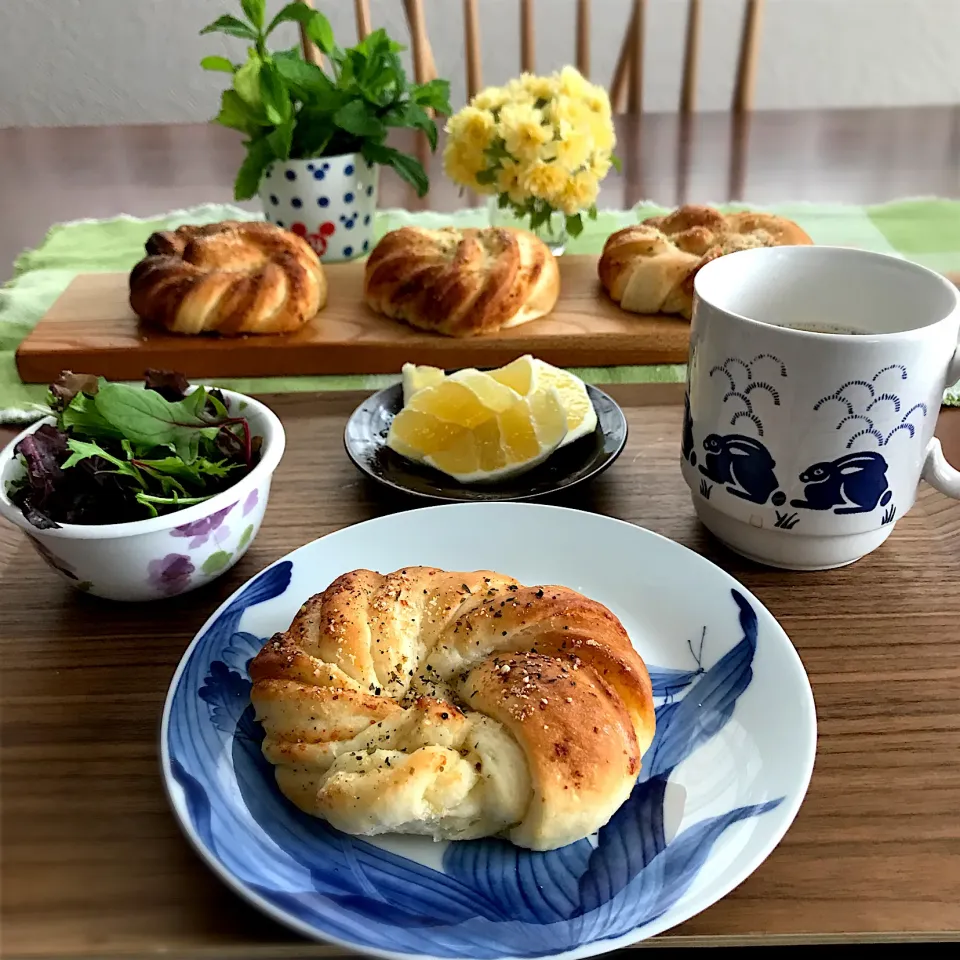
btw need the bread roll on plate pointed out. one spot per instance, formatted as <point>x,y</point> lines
<point>454,705</point>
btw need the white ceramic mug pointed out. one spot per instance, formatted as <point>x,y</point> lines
<point>802,448</point>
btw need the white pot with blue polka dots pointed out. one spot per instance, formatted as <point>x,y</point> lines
<point>329,201</point>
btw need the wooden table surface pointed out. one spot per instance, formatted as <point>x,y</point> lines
<point>94,864</point>
<point>92,861</point>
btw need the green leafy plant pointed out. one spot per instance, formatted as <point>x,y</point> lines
<point>119,453</point>
<point>289,108</point>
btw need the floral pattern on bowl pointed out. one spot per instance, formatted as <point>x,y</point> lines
<point>55,563</point>
<point>171,574</point>
<point>178,572</point>
<point>201,530</point>
<point>203,549</point>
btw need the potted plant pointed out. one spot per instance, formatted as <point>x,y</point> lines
<point>541,146</point>
<point>315,138</point>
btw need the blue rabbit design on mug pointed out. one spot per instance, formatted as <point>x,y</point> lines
<point>853,483</point>
<point>745,464</point>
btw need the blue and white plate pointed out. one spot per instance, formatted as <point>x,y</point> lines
<point>724,778</point>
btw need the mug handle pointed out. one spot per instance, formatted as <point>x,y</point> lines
<point>936,471</point>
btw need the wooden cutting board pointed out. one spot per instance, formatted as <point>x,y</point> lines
<point>92,329</point>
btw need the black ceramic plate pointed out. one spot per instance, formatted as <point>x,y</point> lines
<point>366,441</point>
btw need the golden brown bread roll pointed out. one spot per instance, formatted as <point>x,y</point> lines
<point>454,705</point>
<point>650,267</point>
<point>461,283</point>
<point>229,278</point>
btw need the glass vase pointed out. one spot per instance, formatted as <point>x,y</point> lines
<point>553,233</point>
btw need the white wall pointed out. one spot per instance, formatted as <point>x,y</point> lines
<point>136,61</point>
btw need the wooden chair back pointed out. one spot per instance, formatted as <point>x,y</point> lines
<point>626,88</point>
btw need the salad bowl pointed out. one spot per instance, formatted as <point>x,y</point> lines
<point>160,556</point>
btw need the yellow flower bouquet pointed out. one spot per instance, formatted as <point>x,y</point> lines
<point>541,144</point>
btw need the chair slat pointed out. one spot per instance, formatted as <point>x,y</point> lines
<point>749,52</point>
<point>691,58</point>
<point>618,84</point>
<point>423,66</point>
<point>471,38</point>
<point>635,84</point>
<point>626,87</point>
<point>527,43</point>
<point>310,52</point>
<point>583,37</point>
<point>362,10</point>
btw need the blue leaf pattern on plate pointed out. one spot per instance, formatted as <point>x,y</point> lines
<point>629,842</point>
<point>240,650</point>
<point>668,683</point>
<point>702,713</point>
<point>681,860</point>
<point>532,887</point>
<point>227,694</point>
<point>491,899</point>
<point>197,802</point>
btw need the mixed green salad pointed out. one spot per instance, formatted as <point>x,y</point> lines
<point>119,453</point>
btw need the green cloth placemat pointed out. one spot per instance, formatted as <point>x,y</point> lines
<point>926,231</point>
